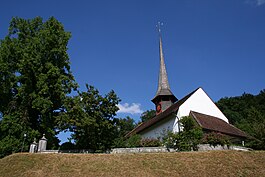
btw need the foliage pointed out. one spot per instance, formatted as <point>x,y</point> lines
<point>186,140</point>
<point>35,79</point>
<point>254,124</point>
<point>133,141</point>
<point>169,139</point>
<point>215,139</point>
<point>12,136</point>
<point>8,145</point>
<point>123,126</point>
<point>247,112</point>
<point>147,115</point>
<point>67,146</point>
<point>137,141</point>
<point>150,142</point>
<point>90,116</point>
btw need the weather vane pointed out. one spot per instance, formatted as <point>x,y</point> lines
<point>159,24</point>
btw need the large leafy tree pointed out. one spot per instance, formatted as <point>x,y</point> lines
<point>35,79</point>
<point>90,117</point>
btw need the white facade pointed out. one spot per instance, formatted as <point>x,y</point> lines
<point>160,128</point>
<point>198,102</point>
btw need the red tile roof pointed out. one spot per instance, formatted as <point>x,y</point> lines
<point>216,124</point>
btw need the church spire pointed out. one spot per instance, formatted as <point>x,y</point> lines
<point>164,97</point>
<point>163,80</point>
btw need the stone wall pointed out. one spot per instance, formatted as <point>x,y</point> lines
<point>202,147</point>
<point>207,147</point>
<point>141,150</point>
<point>49,151</point>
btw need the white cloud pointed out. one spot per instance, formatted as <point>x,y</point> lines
<point>134,108</point>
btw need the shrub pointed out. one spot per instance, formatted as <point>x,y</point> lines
<point>67,146</point>
<point>150,142</point>
<point>169,139</point>
<point>133,141</point>
<point>186,140</point>
<point>215,139</point>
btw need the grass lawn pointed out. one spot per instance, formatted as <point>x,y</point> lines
<point>210,163</point>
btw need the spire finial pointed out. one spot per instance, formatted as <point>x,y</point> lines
<point>158,26</point>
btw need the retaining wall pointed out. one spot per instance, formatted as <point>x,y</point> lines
<point>141,150</point>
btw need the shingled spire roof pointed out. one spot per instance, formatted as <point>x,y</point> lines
<point>163,85</point>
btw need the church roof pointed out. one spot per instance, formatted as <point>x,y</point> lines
<point>216,124</point>
<point>163,85</point>
<point>207,122</point>
<point>162,116</point>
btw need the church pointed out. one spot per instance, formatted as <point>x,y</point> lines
<point>197,104</point>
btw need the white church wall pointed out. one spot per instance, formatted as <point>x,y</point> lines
<point>157,131</point>
<point>200,102</point>
<point>177,128</point>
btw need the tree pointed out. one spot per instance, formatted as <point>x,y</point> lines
<point>186,140</point>
<point>35,79</point>
<point>123,126</point>
<point>149,114</point>
<point>91,119</point>
<point>247,112</point>
<point>254,124</point>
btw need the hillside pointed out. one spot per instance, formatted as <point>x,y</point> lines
<point>214,163</point>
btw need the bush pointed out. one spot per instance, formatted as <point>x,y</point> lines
<point>256,144</point>
<point>68,146</point>
<point>183,141</point>
<point>133,141</point>
<point>119,142</point>
<point>186,140</point>
<point>169,139</point>
<point>215,139</point>
<point>136,141</point>
<point>150,142</point>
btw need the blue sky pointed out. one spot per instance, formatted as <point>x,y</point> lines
<point>216,45</point>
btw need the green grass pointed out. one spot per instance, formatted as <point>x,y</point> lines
<point>211,163</point>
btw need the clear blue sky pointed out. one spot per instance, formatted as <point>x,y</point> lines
<point>218,45</point>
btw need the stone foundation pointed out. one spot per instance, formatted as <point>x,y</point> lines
<point>202,147</point>
<point>49,151</point>
<point>141,150</point>
<point>207,147</point>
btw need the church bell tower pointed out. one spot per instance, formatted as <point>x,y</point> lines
<point>164,98</point>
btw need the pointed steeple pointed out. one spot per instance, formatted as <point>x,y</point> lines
<point>164,97</point>
<point>163,85</point>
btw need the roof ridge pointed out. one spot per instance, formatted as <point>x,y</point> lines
<point>202,119</point>
<point>208,115</point>
<point>174,107</point>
